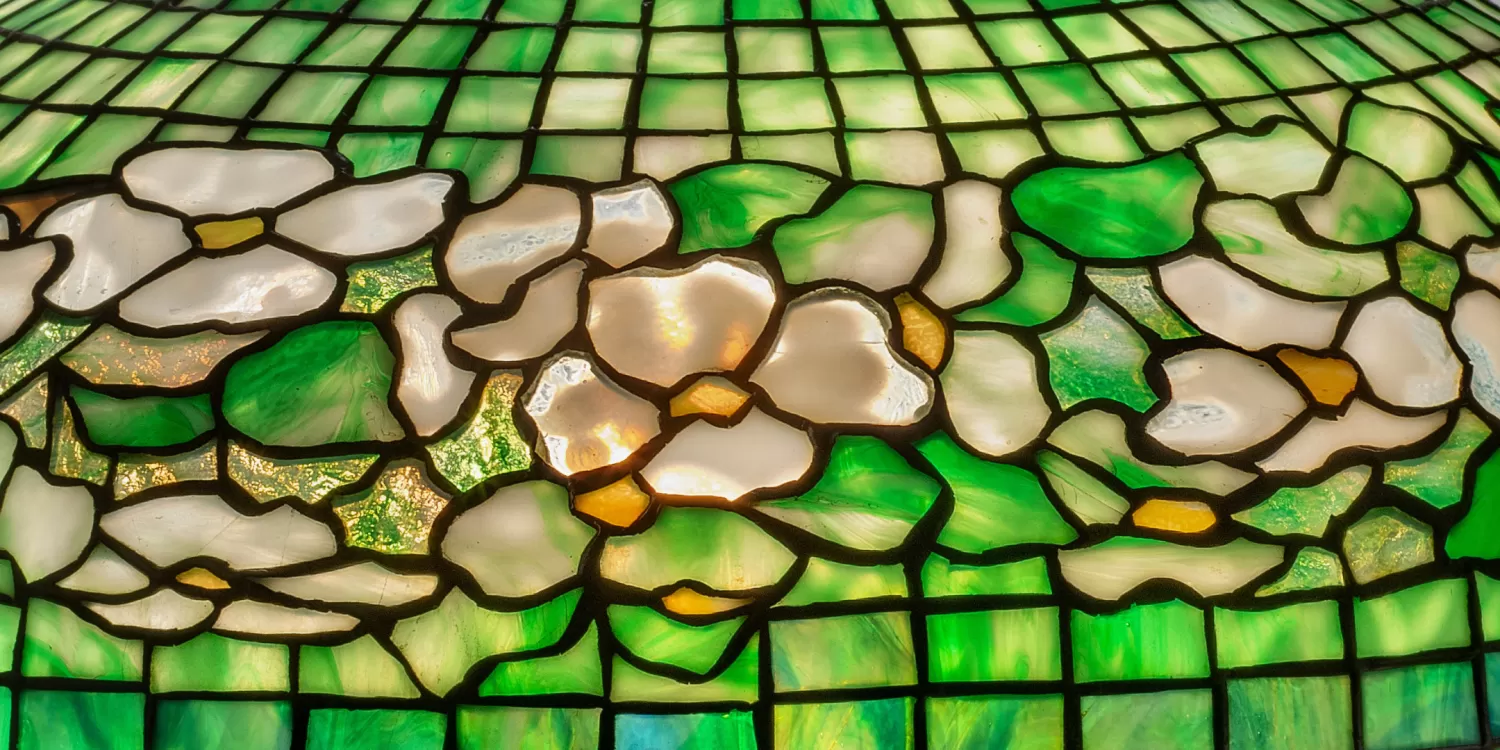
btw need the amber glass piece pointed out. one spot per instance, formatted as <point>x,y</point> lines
<point>709,395</point>
<point>1329,380</point>
<point>1181,516</point>
<point>685,601</point>
<point>922,332</point>
<point>618,504</point>
<point>203,579</point>
<point>28,207</point>
<point>216,235</point>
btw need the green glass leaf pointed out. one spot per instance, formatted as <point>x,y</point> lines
<point>1363,205</point>
<point>1314,568</point>
<point>576,670</point>
<point>143,421</point>
<point>1307,510</point>
<point>837,243</point>
<point>1438,477</point>
<point>488,445</point>
<point>1428,274</point>
<point>994,505</point>
<point>1098,355</point>
<point>1134,211</point>
<point>1040,293</point>
<point>374,283</point>
<point>724,207</point>
<point>1134,290</point>
<point>657,638</point>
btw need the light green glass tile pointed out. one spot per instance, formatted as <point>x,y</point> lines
<point>1227,18</point>
<point>492,105</point>
<point>973,97</point>
<point>981,722</point>
<point>686,52</point>
<point>773,50</point>
<point>586,104</point>
<point>879,102</point>
<point>214,663</point>
<point>212,34</point>
<point>1298,632</point>
<point>868,725</point>
<point>595,50</point>
<point>281,40</point>
<point>432,46</point>
<point>1421,618</point>
<point>1284,64</point>
<point>95,80</point>
<point>223,725</point>
<point>30,143</point>
<point>606,10</point>
<point>42,74</point>
<point>1099,35</point>
<point>671,13</point>
<point>341,729</point>
<point>229,90</point>
<point>946,48</point>
<point>765,10</point>
<point>351,44</point>
<point>995,153</point>
<point>1287,16</point>
<point>1289,713</point>
<point>391,100</point>
<point>95,150</point>
<point>1021,41</point>
<point>361,668</point>
<point>859,49</point>
<point>530,11</point>
<point>843,652</point>
<point>59,643</point>
<point>1143,642</point>
<point>1064,90</point>
<point>905,157</point>
<point>484,727</point>
<point>1168,27</point>
<point>596,158</point>
<point>816,150</point>
<point>791,104</point>
<point>1168,132</point>
<point>513,51</point>
<point>684,104</point>
<point>844,10</point>
<point>456,9</point>
<point>490,165</point>
<point>106,25</point>
<point>739,682</point>
<point>1343,57</point>
<point>1169,720</point>
<point>904,9</point>
<point>377,153</point>
<point>311,98</point>
<point>315,138</point>
<point>1011,644</point>
<point>1445,47</point>
<point>386,10</point>
<point>1220,74</point>
<point>1144,82</point>
<point>1397,51</point>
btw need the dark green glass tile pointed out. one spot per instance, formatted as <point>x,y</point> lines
<point>391,100</point>
<point>281,40</point>
<point>352,44</point>
<point>1143,642</point>
<point>57,720</point>
<point>432,46</point>
<point>223,725</point>
<point>513,51</point>
<point>1429,705</point>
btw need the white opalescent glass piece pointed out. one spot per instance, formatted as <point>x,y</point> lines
<point>164,609</point>
<point>168,530</point>
<point>1361,426</point>
<point>1222,402</point>
<point>583,420</point>
<point>629,222</point>
<point>973,262</point>
<point>260,284</point>
<point>1111,570</point>
<point>491,249</point>
<point>1404,355</point>
<point>430,387</point>
<point>45,527</point>
<point>663,325</point>
<point>207,180</point>
<point>1099,437</point>
<point>993,395</point>
<point>371,218</point>
<point>104,572</point>
<point>547,313</point>
<point>832,363</point>
<point>1476,326</point>
<point>1286,160</point>
<point>519,542</point>
<point>705,460</point>
<point>114,246</point>
<point>264,618</point>
<point>1236,309</point>
<point>1446,217</point>
<point>20,270</point>
<point>360,583</point>
<point>1484,263</point>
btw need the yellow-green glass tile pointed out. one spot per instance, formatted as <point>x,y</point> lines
<point>94,81</point>
<point>385,10</point>
<point>312,98</point>
<point>1064,90</point>
<point>587,157</point>
<point>586,103</point>
<point>30,143</point>
<point>315,138</point>
<point>492,105</point>
<point>281,40</point>
<point>42,74</point>
<point>612,11</point>
<point>1284,64</point>
<point>1144,82</point>
<point>229,90</point>
<point>160,82</point>
<point>878,102</point>
<point>669,13</point>
<point>1227,19</point>
<point>816,150</point>
<point>1286,15</point>
<point>1418,28</point>
<point>860,49</point>
<point>995,153</point>
<point>773,50</point>
<point>1339,54</point>
<point>471,10</point>
<point>1099,35</point>
<point>530,11</point>
<point>904,9</point>
<point>684,104</point>
<point>375,153</point>
<point>1390,45</point>
<point>791,104</point>
<point>352,44</point>
<point>513,51</point>
<point>106,25</point>
<point>595,50</point>
<point>150,33</point>
<point>1021,41</point>
<point>393,100</point>
<point>844,10</point>
<point>95,150</point>
<point>490,165</point>
<point>686,52</point>
<point>1104,139</point>
<point>432,46</point>
<point>1168,27</point>
<point>212,34</point>
<point>1220,75</point>
<point>973,97</point>
<point>946,48</point>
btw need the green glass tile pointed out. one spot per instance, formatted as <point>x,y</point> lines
<point>1286,16</point>
<point>385,10</point>
<point>1428,705</point>
<point>766,10</point>
<point>30,143</point>
<point>1488,590</point>
<point>106,25</point>
<point>1390,45</point>
<point>1473,535</point>
<point>513,50</point>
<point>376,153</point>
<point>1168,27</point>
<point>1492,689</point>
<point>903,9</point>
<point>1096,354</point>
<point>739,682</point>
<point>490,165</point>
<point>57,720</point>
<point>1290,713</point>
<point>456,9</point>
<point>994,153</point>
<point>851,651</point>
<point>791,104</point>
<point>824,581</point>
<point>1437,478</point>
<point>1230,20</point>
<point>1021,41</point>
<point>1144,83</point>
<point>867,725</point>
<point>223,725</point>
<point>375,729</point>
<point>315,138</point>
<point>1064,90</point>
<point>1314,568</point>
<point>879,102</point>
<point>94,81</point>
<point>1170,720</point>
<point>844,10</point>
<point>586,103</point>
<point>64,19</point>
<point>1098,35</point>
<point>1149,641</point>
<point>391,100</point>
<point>183,132</point>
<point>212,662</point>
<point>1416,27</point>
<point>773,50</point>
<point>594,158</point>
<point>431,46</point>
<point>1011,644</point>
<point>281,40</point>
<point>684,104</point>
<point>982,722</point>
<point>659,639</point>
<point>361,668</point>
<point>946,48</point>
<point>1284,64</point>
<point>1421,618</point>
<point>42,74</point>
<point>1147,208</point>
<point>1343,58</point>
<point>686,52</point>
<point>996,7</point>
<point>577,670</point>
<point>1471,180</point>
<point>995,504</point>
<point>1220,74</point>
<point>312,98</point>
<point>161,82</point>
<point>487,727</point>
<point>673,13</point>
<point>734,730</point>
<point>212,34</point>
<point>352,44</point>
<point>15,55</point>
<point>902,157</point>
<point>1476,30</point>
<point>606,10</point>
<point>1039,294</point>
<point>1299,632</point>
<point>96,149</point>
<point>973,97</point>
<point>59,643</point>
<point>859,49</point>
<point>594,50</point>
<point>492,105</point>
<point>530,11</point>
<point>229,90</point>
<point>942,578</point>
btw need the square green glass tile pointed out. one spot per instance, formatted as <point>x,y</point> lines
<point>599,50</point>
<point>314,138</point>
<point>844,10</point>
<point>150,33</point>
<point>1335,10</point>
<point>672,13</point>
<point>352,44</point>
<point>64,720</point>
<point>973,97</point>
<point>1421,706</point>
<point>42,74</point>
<point>385,10</point>
<point>790,104</point>
<point>611,11</point>
<point>223,725</point>
<point>1148,641</point>
<point>586,104</point>
<point>1168,720</point>
<point>867,725</point>
<point>95,150</point>
<point>94,81</point>
<point>432,46</point>
<point>375,153</point>
<point>1021,41</point>
<point>160,83</point>
<point>485,727</point>
<point>766,10</point>
<point>471,10</point>
<point>1425,617</point>
<point>399,100</point>
<point>513,51</point>
<point>976,722</point>
<point>1104,139</point>
<point>105,26</point>
<point>279,41</point>
<point>1445,47</point>
<point>530,11</point>
<point>920,9</point>
<point>1099,35</point>
<point>1287,713</point>
<point>995,153</point>
<point>212,34</point>
<point>1284,64</point>
<point>946,48</point>
<point>816,150</point>
<point>1227,18</point>
<point>492,105</point>
<point>904,157</point>
<point>878,102</point>
<point>1064,90</point>
<point>1013,644</point>
<point>1287,15</point>
<point>210,662</point>
<point>851,651</point>
<point>29,144</point>
<point>684,104</point>
<point>1390,46</point>
<point>311,98</point>
<point>588,157</point>
<point>490,165</point>
<point>65,19</point>
<point>859,49</point>
<point>1220,75</point>
<point>340,729</point>
<point>1168,27</point>
<point>1169,131</point>
<point>1340,55</point>
<point>687,52</point>
<point>1144,82</point>
<point>1309,631</point>
<point>773,50</point>
<point>997,7</point>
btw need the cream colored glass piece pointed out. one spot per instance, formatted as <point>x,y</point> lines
<point>1476,326</point>
<point>994,399</point>
<point>430,388</point>
<point>584,421</point>
<point>547,313</point>
<point>251,617</point>
<point>1236,309</point>
<point>663,325</point>
<point>1112,569</point>
<point>519,542</point>
<point>973,263</point>
<point>491,249</point>
<point>1446,218</point>
<point>256,285</point>
<point>1286,160</point>
<point>44,527</point>
<point>1099,437</point>
<point>1484,264</point>
<point>709,395</point>
<point>832,362</point>
<point>628,223</point>
<point>104,572</point>
<point>705,461</point>
<point>1361,426</point>
<point>1404,354</point>
<point>360,583</point>
<point>206,180</point>
<point>20,270</point>
<point>114,246</point>
<point>168,530</point>
<point>1255,239</point>
<point>666,156</point>
<point>110,356</point>
<point>164,609</point>
<point>369,218</point>
<point>1222,402</point>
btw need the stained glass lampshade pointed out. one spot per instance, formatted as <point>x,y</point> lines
<point>732,374</point>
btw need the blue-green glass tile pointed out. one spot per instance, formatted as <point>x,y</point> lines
<point>727,731</point>
<point>1290,713</point>
<point>223,725</point>
<point>1423,706</point>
